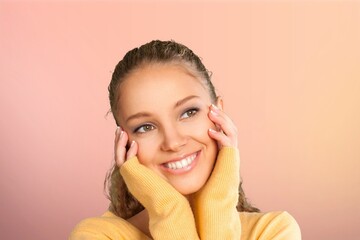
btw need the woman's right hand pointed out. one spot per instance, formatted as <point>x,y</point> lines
<point>120,149</point>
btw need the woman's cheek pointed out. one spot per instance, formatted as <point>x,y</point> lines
<point>145,150</point>
<point>200,127</point>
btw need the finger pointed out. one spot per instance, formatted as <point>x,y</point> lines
<point>132,150</point>
<point>221,138</point>
<point>117,136</point>
<point>118,129</point>
<point>223,121</point>
<point>120,148</point>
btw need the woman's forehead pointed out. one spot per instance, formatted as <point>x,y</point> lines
<point>158,85</point>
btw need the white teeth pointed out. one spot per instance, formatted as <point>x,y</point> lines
<point>173,165</point>
<point>178,165</point>
<point>181,163</point>
<point>184,162</point>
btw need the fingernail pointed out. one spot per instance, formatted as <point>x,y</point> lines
<point>132,143</point>
<point>213,113</point>
<point>214,106</point>
<point>117,130</point>
<point>212,130</point>
<point>121,133</point>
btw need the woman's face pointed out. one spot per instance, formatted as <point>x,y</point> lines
<point>165,110</point>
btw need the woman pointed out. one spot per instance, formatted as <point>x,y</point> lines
<point>176,174</point>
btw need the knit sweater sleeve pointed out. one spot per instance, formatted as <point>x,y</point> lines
<point>271,225</point>
<point>215,204</point>
<point>170,213</point>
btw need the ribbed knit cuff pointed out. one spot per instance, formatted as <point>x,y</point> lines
<point>215,204</point>
<point>170,214</point>
<point>148,187</point>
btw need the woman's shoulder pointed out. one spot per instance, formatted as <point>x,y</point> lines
<point>96,223</point>
<point>107,226</point>
<point>269,225</point>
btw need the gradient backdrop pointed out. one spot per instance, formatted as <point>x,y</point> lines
<point>289,73</point>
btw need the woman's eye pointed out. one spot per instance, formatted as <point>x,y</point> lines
<point>189,113</point>
<point>144,128</point>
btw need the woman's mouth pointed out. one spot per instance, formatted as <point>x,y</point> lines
<point>183,164</point>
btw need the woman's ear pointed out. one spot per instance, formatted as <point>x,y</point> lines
<point>219,102</point>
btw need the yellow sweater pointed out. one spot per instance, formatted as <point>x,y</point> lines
<point>213,214</point>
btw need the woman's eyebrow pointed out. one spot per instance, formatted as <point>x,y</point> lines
<point>184,100</point>
<point>138,115</point>
<point>146,114</point>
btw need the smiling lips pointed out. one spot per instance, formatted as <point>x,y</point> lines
<point>182,163</point>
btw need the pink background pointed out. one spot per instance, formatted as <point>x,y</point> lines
<point>289,73</point>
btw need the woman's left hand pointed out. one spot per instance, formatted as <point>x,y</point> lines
<point>214,205</point>
<point>226,132</point>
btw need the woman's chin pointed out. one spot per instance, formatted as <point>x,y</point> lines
<point>189,190</point>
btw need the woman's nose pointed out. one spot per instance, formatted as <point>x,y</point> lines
<point>173,139</point>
